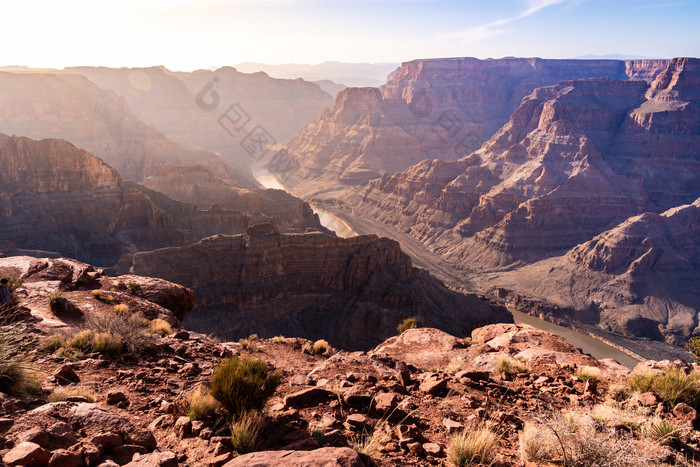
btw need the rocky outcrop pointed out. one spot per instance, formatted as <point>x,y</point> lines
<point>58,198</point>
<point>353,292</point>
<point>428,109</point>
<point>639,276</point>
<point>168,102</point>
<point>199,186</point>
<point>68,106</point>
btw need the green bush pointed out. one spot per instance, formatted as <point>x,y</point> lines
<point>243,384</point>
<point>641,382</point>
<point>408,323</point>
<point>674,386</point>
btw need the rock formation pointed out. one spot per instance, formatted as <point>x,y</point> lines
<point>168,102</point>
<point>56,197</point>
<point>68,106</point>
<point>199,186</point>
<point>353,292</point>
<point>440,108</point>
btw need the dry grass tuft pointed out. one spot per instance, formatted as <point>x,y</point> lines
<point>246,431</point>
<point>468,447</point>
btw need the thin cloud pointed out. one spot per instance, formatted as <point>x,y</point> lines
<point>488,30</point>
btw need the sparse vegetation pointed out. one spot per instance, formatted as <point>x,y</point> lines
<point>457,364</point>
<point>243,384</point>
<point>510,366</point>
<point>279,340</point>
<point>308,348</point>
<point>246,431</point>
<point>97,294</point>
<point>121,309</point>
<point>588,374</point>
<point>674,386</point>
<point>472,446</point>
<point>367,443</point>
<point>579,441</point>
<point>160,327</point>
<point>253,337</point>
<point>408,323</point>
<point>62,394</point>
<point>61,306</point>
<point>15,376</point>
<point>244,343</point>
<point>641,382</point>
<point>662,431</point>
<point>107,343</point>
<point>322,347</point>
<point>133,287</point>
<point>200,404</point>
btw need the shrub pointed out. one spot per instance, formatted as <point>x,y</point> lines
<point>15,378</point>
<point>121,309</point>
<point>243,384</point>
<point>308,348</point>
<point>52,343</point>
<point>510,366</point>
<point>322,347</point>
<point>457,364</point>
<point>82,340</point>
<point>200,405</point>
<point>279,340</point>
<point>160,327</point>
<point>469,447</point>
<point>589,374</point>
<point>60,305</point>
<point>107,342</point>
<point>365,443</point>
<point>132,329</point>
<point>133,287</point>
<point>97,294</point>
<point>674,386</point>
<point>253,337</point>
<point>641,382</point>
<point>662,431</point>
<point>246,431</point>
<point>566,440</point>
<point>244,343</point>
<point>408,323</point>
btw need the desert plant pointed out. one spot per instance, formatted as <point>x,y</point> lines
<point>97,294</point>
<point>457,364</point>
<point>472,446</point>
<point>160,327</point>
<point>246,431</point>
<point>641,382</point>
<point>674,386</point>
<point>81,340</point>
<point>107,342</point>
<point>367,443</point>
<point>15,375</point>
<point>620,391</point>
<point>322,347</point>
<point>579,441</point>
<point>52,343</point>
<point>662,431</point>
<point>279,340</point>
<point>408,323</point>
<point>244,343</point>
<point>510,366</point>
<point>253,337</point>
<point>132,329</point>
<point>200,405</point>
<point>243,384</point>
<point>62,394</point>
<point>60,305</point>
<point>308,348</point>
<point>121,309</point>
<point>133,287</point>
<point>588,374</point>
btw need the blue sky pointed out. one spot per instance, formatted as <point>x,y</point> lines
<point>190,34</point>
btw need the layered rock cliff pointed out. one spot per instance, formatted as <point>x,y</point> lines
<point>440,108</point>
<point>168,102</point>
<point>353,292</point>
<point>68,106</point>
<point>56,197</point>
<point>199,186</point>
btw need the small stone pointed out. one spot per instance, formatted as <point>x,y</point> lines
<point>27,454</point>
<point>452,425</point>
<point>66,375</point>
<point>385,402</point>
<point>685,413</point>
<point>182,335</point>
<point>35,435</point>
<point>107,440</point>
<point>125,453</point>
<point>143,438</point>
<point>218,461</point>
<point>65,458</point>
<point>432,449</point>
<point>433,386</point>
<point>89,452</point>
<point>183,427</point>
<point>415,447</point>
<point>113,397</point>
<point>356,421</point>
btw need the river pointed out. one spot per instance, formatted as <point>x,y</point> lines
<point>328,220</point>
<point>589,345</point>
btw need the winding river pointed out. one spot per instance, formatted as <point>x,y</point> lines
<point>589,345</point>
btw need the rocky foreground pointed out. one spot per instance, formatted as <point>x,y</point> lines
<point>401,403</point>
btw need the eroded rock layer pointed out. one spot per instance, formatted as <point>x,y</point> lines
<point>353,292</point>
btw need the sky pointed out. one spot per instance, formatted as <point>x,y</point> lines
<point>191,34</point>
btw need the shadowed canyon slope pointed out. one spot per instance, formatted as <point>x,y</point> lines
<point>353,292</point>
<point>439,108</point>
<point>56,197</point>
<point>575,160</point>
<point>168,101</point>
<point>68,106</point>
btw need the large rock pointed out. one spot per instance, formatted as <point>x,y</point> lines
<point>324,457</point>
<point>352,292</point>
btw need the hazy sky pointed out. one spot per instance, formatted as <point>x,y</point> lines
<point>189,34</point>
